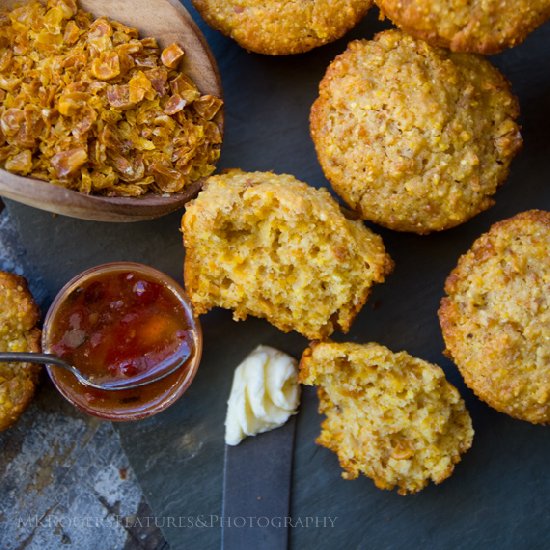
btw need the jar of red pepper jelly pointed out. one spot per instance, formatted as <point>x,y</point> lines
<point>118,321</point>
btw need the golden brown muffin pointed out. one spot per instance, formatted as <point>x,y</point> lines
<point>391,416</point>
<point>496,317</point>
<point>271,246</point>
<point>18,318</point>
<point>413,137</point>
<point>478,26</point>
<point>280,28</point>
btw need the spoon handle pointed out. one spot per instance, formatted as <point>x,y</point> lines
<point>136,382</point>
<point>41,358</point>
<point>16,357</point>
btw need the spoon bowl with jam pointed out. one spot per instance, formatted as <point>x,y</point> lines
<point>119,324</point>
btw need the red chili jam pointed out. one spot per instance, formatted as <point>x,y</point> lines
<point>122,325</point>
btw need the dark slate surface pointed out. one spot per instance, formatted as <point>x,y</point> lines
<point>498,496</point>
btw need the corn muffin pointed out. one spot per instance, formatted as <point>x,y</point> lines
<point>480,26</point>
<point>413,137</point>
<point>271,246</point>
<point>496,316</point>
<point>393,417</point>
<point>18,318</point>
<point>280,28</point>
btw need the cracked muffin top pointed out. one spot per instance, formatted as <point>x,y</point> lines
<point>413,137</point>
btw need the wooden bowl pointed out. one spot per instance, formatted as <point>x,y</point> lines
<point>168,21</point>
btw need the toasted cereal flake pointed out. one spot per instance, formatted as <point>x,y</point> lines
<point>89,106</point>
<point>172,55</point>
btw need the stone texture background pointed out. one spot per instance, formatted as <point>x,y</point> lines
<point>65,481</point>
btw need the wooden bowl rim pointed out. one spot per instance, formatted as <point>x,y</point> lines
<point>48,196</point>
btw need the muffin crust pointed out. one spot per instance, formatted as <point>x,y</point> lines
<point>496,316</point>
<point>478,26</point>
<point>280,28</point>
<point>413,137</point>
<point>18,318</point>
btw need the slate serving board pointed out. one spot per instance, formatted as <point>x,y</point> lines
<point>498,496</point>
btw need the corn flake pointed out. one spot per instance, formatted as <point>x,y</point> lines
<point>90,106</point>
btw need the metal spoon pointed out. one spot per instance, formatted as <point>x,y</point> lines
<point>164,369</point>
